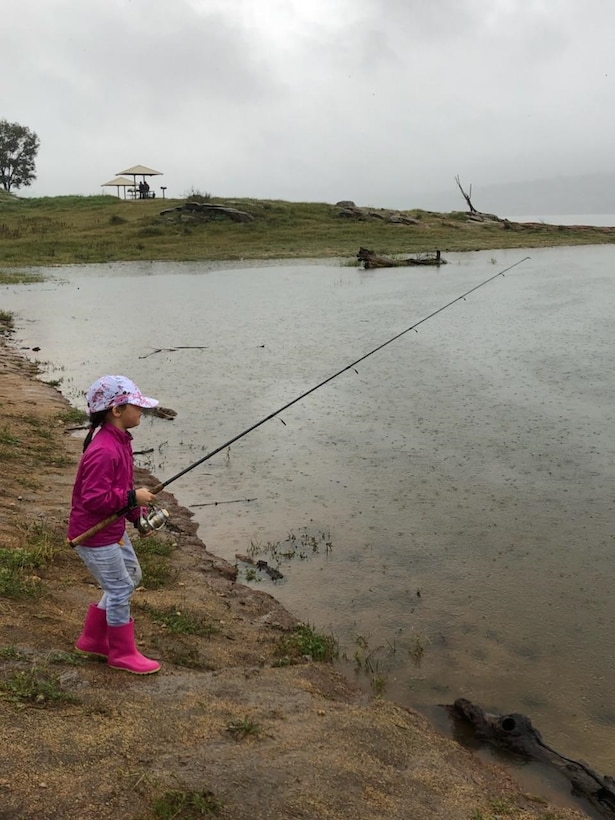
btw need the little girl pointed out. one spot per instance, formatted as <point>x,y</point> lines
<point>104,487</point>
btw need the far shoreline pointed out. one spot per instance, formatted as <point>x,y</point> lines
<point>58,231</point>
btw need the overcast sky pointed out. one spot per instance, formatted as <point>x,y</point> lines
<point>313,100</point>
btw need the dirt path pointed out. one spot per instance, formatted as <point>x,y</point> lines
<point>224,729</point>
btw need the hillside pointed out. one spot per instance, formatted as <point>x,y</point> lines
<point>69,230</point>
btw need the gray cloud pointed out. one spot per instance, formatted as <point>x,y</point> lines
<point>374,100</point>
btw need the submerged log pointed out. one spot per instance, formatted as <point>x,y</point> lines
<point>263,566</point>
<point>514,733</point>
<point>161,412</point>
<point>173,349</point>
<point>372,260</point>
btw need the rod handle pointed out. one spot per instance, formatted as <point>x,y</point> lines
<point>74,542</point>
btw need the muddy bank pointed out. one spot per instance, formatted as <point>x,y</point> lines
<point>224,721</point>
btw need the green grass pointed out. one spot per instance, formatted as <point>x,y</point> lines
<point>72,415</point>
<point>7,438</point>
<point>39,444</point>
<point>71,229</point>
<point>154,554</point>
<point>14,584</point>
<point>10,653</point>
<point>19,277</point>
<point>39,546</point>
<point>20,559</point>
<point>177,621</point>
<point>187,805</point>
<point>304,642</point>
<point>35,687</point>
<point>7,321</point>
<point>241,729</point>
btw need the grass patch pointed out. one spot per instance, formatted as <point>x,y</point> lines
<point>15,585</point>
<point>36,440</point>
<point>187,805</point>
<point>19,558</point>
<point>72,415</point>
<point>378,684</point>
<point>188,657</point>
<point>7,438</point>
<point>302,545</point>
<point>39,546</point>
<point>28,482</point>
<point>66,658</point>
<point>7,321</point>
<point>304,642</point>
<point>241,729</point>
<point>19,277</point>
<point>154,556</point>
<point>35,687</point>
<point>179,622</point>
<point>10,653</point>
<point>42,542</point>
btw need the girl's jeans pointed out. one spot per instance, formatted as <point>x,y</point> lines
<point>116,569</point>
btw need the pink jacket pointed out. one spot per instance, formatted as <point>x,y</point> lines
<point>104,477</point>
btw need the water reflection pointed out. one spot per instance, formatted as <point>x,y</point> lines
<point>463,475</point>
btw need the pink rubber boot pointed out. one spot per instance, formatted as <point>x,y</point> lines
<point>93,638</point>
<point>123,654</point>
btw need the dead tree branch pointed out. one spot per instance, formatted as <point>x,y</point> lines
<point>466,196</point>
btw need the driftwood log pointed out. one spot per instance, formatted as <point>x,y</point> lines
<point>373,260</point>
<point>161,412</point>
<point>515,734</point>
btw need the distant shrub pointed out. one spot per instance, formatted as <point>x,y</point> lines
<point>194,195</point>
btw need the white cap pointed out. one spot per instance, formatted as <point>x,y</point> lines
<point>113,391</point>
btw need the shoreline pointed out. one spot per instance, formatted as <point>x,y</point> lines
<point>319,747</point>
<point>103,229</point>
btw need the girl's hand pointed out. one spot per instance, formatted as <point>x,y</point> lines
<point>143,496</point>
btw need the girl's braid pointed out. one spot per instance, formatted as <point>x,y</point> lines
<point>96,420</point>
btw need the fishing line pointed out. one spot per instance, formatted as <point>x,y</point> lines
<point>352,365</point>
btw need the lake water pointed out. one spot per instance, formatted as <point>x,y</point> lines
<point>449,506</point>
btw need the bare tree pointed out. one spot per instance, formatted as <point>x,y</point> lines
<point>466,196</point>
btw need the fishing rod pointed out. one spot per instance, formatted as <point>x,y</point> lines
<point>157,518</point>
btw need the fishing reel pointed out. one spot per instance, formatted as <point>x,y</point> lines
<point>154,519</point>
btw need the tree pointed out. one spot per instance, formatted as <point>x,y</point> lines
<point>18,149</point>
<point>466,196</point>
